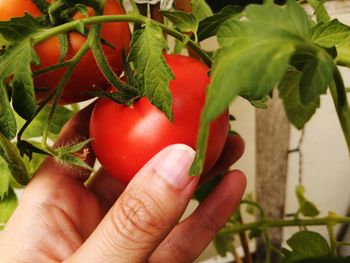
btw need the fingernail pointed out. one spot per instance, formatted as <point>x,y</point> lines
<point>174,165</point>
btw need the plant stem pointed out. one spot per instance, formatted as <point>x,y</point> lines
<point>286,223</point>
<point>342,105</point>
<point>135,18</point>
<point>267,245</point>
<point>333,242</point>
<point>74,61</point>
<point>50,68</point>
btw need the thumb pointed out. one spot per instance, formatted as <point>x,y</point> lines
<point>149,208</point>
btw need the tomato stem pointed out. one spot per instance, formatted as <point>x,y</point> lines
<point>58,92</point>
<point>53,67</point>
<point>134,18</point>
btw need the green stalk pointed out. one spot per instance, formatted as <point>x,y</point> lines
<point>133,18</point>
<point>286,223</point>
<point>332,240</point>
<point>342,105</point>
<point>321,12</point>
<point>74,61</point>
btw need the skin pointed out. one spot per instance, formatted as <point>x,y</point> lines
<point>60,219</point>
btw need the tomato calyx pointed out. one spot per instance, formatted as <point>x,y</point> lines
<point>120,97</point>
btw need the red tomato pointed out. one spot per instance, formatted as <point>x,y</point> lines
<point>125,138</point>
<point>87,73</point>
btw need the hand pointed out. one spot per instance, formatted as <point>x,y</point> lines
<point>59,218</point>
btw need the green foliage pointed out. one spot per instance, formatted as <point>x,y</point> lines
<point>223,244</point>
<point>297,113</point>
<point>211,25</point>
<point>306,207</point>
<point>7,205</point>
<point>5,177</point>
<point>200,9</point>
<point>182,21</point>
<point>68,154</point>
<point>152,74</point>
<point>306,244</point>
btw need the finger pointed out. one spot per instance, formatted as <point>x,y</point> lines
<point>106,188</point>
<point>187,240</point>
<point>145,213</point>
<point>233,150</point>
<point>74,131</point>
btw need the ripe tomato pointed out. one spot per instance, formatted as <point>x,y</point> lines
<point>125,138</point>
<point>87,72</point>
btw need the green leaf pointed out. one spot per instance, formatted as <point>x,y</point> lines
<point>200,9</point>
<point>309,244</point>
<point>329,34</point>
<point>7,206</point>
<point>15,63</point>
<point>74,160</point>
<point>223,244</point>
<point>298,114</point>
<point>69,154</point>
<point>19,28</point>
<point>182,21</point>
<point>210,25</point>
<point>260,104</point>
<point>204,190</point>
<point>5,177</point>
<point>8,126</point>
<point>317,75</point>
<point>11,155</point>
<point>152,74</point>
<point>306,207</point>
<point>35,128</point>
<point>251,61</point>
<point>343,50</point>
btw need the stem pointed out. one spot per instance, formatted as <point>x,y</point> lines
<point>50,68</point>
<point>244,242</point>
<point>320,11</point>
<point>134,6</point>
<point>74,61</point>
<point>121,18</point>
<point>267,245</point>
<point>333,242</point>
<point>236,255</point>
<point>342,105</point>
<point>286,223</point>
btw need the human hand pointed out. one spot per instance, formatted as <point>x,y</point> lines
<point>59,218</point>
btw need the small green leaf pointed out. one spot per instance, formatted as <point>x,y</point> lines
<point>306,207</point>
<point>204,190</point>
<point>309,244</point>
<point>8,126</point>
<point>211,25</point>
<point>329,34</point>
<point>11,155</point>
<point>317,75</point>
<point>260,104</point>
<point>298,114</point>
<point>152,74</point>
<point>8,205</point>
<point>223,244</point>
<point>5,177</point>
<point>74,160</point>
<point>182,21</point>
<point>74,147</point>
<point>35,128</point>
<point>200,9</point>
<point>343,50</point>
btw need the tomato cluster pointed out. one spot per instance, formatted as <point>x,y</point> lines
<point>124,138</point>
<point>87,74</point>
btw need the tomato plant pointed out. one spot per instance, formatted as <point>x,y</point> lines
<point>59,51</point>
<point>87,74</point>
<point>124,138</point>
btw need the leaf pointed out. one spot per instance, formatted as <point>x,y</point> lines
<point>200,9</point>
<point>8,205</point>
<point>152,74</point>
<point>70,154</point>
<point>182,21</point>
<point>15,62</point>
<point>329,34</point>
<point>8,126</point>
<point>309,244</point>
<point>251,61</point>
<point>204,190</point>
<point>223,244</point>
<point>298,114</point>
<point>210,25</point>
<point>306,207</point>
<point>35,128</point>
<point>343,50</point>
<point>317,75</point>
<point>260,104</point>
<point>11,155</point>
<point>5,176</point>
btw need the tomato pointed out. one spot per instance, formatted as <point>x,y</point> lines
<point>125,138</point>
<point>87,73</point>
